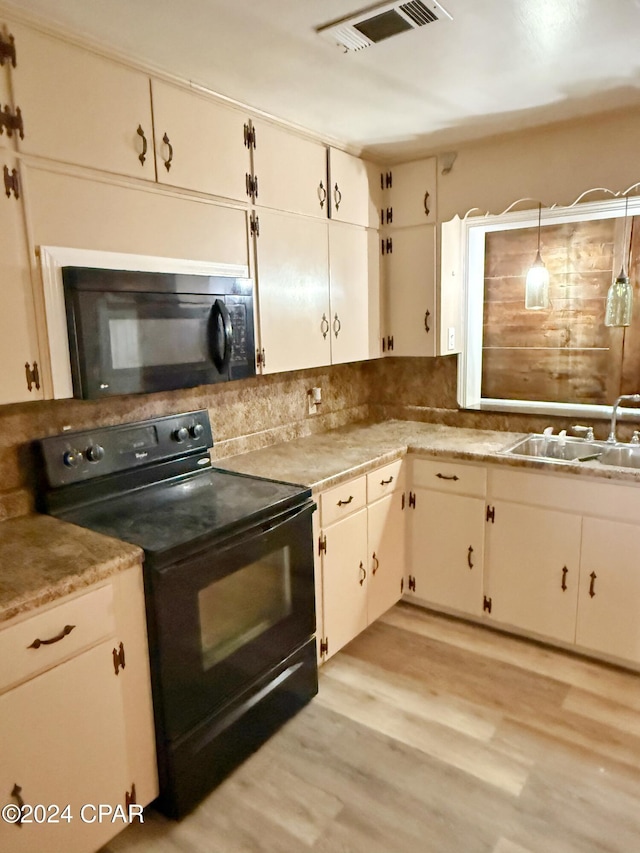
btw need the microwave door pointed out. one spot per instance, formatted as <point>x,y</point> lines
<point>220,336</point>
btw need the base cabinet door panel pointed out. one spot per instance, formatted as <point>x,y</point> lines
<point>446,550</point>
<point>533,559</point>
<point>386,521</point>
<point>608,611</point>
<point>62,742</point>
<point>345,580</point>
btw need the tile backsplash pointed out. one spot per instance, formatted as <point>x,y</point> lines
<point>257,412</point>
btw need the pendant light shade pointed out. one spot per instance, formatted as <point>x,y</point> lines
<point>619,308</point>
<point>536,292</point>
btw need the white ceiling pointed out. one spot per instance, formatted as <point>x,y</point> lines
<point>499,65</point>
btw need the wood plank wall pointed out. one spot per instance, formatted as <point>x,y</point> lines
<point>565,353</point>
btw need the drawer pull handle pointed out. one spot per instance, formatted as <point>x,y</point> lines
<point>363,576</point>
<point>446,477</point>
<point>565,572</point>
<point>592,590</point>
<point>66,630</point>
<point>344,503</point>
<point>15,793</point>
<point>143,154</point>
<point>169,160</point>
<point>469,557</point>
<point>386,482</point>
<point>376,563</point>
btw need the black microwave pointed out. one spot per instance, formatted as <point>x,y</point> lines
<point>138,332</point>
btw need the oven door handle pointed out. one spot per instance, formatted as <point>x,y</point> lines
<point>220,313</point>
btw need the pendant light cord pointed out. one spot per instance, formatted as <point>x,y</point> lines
<point>539,223</point>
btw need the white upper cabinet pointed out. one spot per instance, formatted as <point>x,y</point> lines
<point>289,172</point>
<point>78,107</point>
<point>293,292</point>
<point>409,194</point>
<point>200,144</point>
<point>410,297</point>
<point>21,374</point>
<point>354,189</point>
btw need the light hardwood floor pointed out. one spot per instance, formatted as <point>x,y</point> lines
<point>431,735</point>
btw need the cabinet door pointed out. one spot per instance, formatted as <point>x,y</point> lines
<point>410,291</point>
<point>293,292</point>
<point>533,559</point>
<point>6,99</point>
<point>291,171</point>
<point>18,337</point>
<point>199,143</point>
<point>451,302</point>
<point>446,550</point>
<point>412,194</point>
<point>81,108</point>
<point>609,589</point>
<point>354,189</point>
<point>62,742</point>
<point>344,580</point>
<point>386,521</point>
<point>351,290</point>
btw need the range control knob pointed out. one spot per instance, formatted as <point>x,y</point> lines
<point>180,434</point>
<point>196,430</point>
<point>95,453</point>
<point>72,458</point>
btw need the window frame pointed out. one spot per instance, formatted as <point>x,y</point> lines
<point>472,259</point>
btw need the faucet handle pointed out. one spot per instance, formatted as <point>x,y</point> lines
<point>587,431</point>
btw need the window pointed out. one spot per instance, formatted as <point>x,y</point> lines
<point>561,360</point>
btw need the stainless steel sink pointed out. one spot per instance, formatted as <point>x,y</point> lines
<point>549,448</point>
<point>624,455</point>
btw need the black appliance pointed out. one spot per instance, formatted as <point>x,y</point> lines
<point>229,587</point>
<point>137,332</point>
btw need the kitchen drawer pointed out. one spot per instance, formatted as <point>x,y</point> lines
<point>342,500</point>
<point>92,618</point>
<point>452,477</point>
<point>383,481</point>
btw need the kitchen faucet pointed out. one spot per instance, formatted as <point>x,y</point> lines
<point>631,398</point>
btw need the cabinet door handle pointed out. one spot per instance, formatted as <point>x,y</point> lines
<point>565,572</point>
<point>16,794</point>
<point>143,155</point>
<point>337,325</point>
<point>65,631</point>
<point>337,197</point>
<point>167,162</point>
<point>324,326</point>
<point>447,477</point>
<point>426,322</point>
<point>592,585</point>
<point>426,203</point>
<point>469,554</point>
<point>386,482</point>
<point>376,563</point>
<point>344,503</point>
<point>363,575</point>
<point>322,194</point>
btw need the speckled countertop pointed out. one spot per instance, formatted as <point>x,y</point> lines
<point>43,559</point>
<point>330,458</point>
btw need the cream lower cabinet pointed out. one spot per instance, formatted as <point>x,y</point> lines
<point>21,373</point>
<point>609,595</point>
<point>446,526</point>
<point>77,722</point>
<point>360,554</point>
<point>533,555</point>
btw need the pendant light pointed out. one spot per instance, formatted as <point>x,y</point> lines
<point>536,292</point>
<point>620,295</point>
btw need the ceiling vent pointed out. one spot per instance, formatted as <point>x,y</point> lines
<point>381,21</point>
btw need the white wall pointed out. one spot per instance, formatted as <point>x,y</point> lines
<point>552,165</point>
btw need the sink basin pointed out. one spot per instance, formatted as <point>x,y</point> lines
<point>625,455</point>
<point>547,448</point>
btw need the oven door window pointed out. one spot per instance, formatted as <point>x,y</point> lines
<point>237,609</point>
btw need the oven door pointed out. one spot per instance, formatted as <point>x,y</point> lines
<point>225,617</point>
<point>139,342</point>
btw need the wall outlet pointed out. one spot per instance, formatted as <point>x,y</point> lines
<point>315,398</point>
<point>451,338</point>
